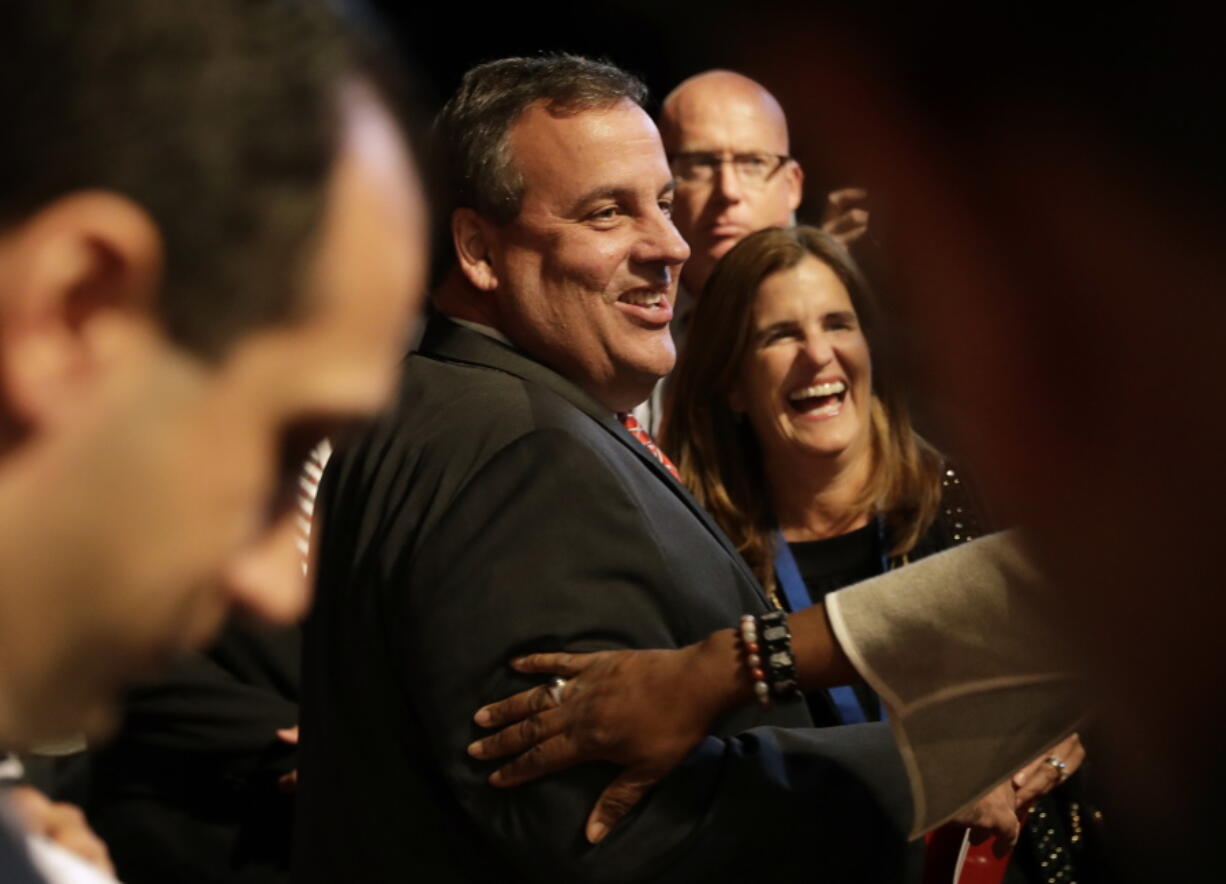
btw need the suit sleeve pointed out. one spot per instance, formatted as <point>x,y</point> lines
<point>208,727</point>
<point>546,550</point>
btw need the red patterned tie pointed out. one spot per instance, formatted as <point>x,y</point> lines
<point>636,430</point>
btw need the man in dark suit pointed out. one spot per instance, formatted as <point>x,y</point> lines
<point>503,508</point>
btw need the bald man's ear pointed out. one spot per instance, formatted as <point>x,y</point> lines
<point>796,184</point>
<point>475,240</point>
<point>71,276</point>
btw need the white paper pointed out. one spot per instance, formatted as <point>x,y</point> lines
<point>60,866</point>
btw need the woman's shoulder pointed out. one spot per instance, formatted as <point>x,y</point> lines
<point>961,515</point>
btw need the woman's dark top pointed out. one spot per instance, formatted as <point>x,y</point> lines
<point>1050,849</point>
<point>835,562</point>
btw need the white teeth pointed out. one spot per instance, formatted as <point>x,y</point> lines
<point>830,388</point>
<point>643,299</point>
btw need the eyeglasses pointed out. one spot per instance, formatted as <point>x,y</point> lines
<point>702,167</point>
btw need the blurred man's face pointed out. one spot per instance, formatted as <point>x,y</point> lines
<point>173,500</point>
<point>716,138</point>
<point>588,269</point>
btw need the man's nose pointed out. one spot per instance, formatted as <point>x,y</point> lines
<point>267,577</point>
<point>661,243</point>
<point>728,182</point>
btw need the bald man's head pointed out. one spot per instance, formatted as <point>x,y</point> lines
<point>723,95</point>
<point>719,116</point>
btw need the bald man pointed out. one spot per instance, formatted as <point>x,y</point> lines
<point>727,140</point>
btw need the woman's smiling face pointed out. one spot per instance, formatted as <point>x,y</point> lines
<point>806,380</point>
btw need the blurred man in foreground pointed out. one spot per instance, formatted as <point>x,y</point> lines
<point>210,233</point>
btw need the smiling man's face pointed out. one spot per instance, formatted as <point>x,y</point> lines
<point>587,271</point>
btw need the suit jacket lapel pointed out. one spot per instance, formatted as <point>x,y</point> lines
<point>448,340</point>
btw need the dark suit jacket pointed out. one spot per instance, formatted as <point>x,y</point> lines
<point>499,510</point>
<point>187,790</point>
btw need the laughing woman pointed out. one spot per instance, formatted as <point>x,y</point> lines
<point>792,436</point>
<point>786,424</point>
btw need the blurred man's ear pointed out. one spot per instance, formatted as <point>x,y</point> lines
<point>72,275</point>
<point>473,238</point>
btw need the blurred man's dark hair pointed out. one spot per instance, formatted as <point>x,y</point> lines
<point>216,117</point>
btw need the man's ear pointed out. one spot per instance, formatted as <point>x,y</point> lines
<point>796,184</point>
<point>475,240</point>
<point>71,274</point>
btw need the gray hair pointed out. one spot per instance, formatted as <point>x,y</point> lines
<point>472,129</point>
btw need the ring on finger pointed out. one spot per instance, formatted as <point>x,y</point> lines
<point>1059,764</point>
<point>556,684</point>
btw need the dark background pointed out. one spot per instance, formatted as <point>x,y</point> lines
<point>1147,75</point>
<point>1142,79</point>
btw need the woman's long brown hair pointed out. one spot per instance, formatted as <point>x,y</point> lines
<point>716,450</point>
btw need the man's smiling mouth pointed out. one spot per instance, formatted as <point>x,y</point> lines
<point>644,298</point>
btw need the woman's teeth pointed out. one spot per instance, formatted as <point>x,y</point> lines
<point>825,399</point>
<point>830,388</point>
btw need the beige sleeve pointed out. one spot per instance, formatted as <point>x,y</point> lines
<point>958,647</point>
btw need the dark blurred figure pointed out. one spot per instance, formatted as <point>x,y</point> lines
<point>191,789</point>
<point>210,243</point>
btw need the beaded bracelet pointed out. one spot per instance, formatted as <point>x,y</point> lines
<point>768,655</point>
